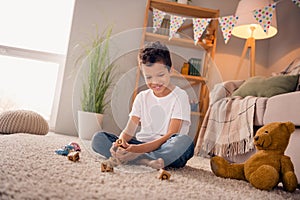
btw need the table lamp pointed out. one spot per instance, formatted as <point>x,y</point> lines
<point>247,27</point>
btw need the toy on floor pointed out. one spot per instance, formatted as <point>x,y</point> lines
<point>268,166</point>
<point>75,145</point>
<point>109,164</point>
<point>72,146</point>
<point>106,167</point>
<point>65,150</point>
<point>164,175</point>
<point>73,156</point>
<point>70,150</point>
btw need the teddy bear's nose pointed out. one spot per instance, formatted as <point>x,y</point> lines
<point>256,138</point>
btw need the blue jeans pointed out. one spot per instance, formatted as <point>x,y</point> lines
<point>175,152</point>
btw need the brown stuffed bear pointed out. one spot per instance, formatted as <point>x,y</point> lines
<point>268,166</point>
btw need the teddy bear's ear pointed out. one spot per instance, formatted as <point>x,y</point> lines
<point>290,126</point>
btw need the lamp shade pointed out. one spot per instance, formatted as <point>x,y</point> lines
<point>246,20</point>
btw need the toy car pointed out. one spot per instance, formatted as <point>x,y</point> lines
<point>75,145</point>
<point>65,150</point>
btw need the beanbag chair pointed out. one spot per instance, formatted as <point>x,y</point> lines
<point>23,121</point>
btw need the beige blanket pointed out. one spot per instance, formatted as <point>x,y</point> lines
<point>228,125</point>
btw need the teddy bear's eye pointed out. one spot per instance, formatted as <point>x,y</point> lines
<point>266,132</point>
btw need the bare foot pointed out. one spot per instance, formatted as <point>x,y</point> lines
<point>155,164</point>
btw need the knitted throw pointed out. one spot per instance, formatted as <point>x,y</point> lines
<point>23,121</point>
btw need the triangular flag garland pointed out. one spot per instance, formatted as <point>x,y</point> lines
<point>296,2</point>
<point>226,24</point>
<point>158,17</point>
<point>199,26</point>
<point>175,23</point>
<point>264,16</point>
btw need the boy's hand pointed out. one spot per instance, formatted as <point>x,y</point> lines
<point>123,155</point>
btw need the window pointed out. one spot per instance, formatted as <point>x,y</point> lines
<point>33,46</point>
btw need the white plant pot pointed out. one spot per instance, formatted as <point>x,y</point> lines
<point>88,124</point>
<point>182,1</point>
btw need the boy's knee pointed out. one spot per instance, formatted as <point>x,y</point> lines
<point>184,139</point>
<point>97,138</point>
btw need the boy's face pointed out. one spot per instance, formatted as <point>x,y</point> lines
<point>157,78</point>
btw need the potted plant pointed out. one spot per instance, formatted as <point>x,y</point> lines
<point>97,81</point>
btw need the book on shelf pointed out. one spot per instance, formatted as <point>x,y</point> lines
<point>164,28</point>
<point>195,66</point>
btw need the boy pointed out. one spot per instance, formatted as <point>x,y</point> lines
<point>163,111</point>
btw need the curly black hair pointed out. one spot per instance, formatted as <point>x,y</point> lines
<point>154,52</point>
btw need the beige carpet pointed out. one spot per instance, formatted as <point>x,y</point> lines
<point>31,170</point>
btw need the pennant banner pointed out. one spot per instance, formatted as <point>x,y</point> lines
<point>199,25</point>
<point>297,2</point>
<point>158,17</point>
<point>264,16</point>
<point>226,24</point>
<point>175,23</point>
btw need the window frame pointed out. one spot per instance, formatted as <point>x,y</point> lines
<point>59,59</point>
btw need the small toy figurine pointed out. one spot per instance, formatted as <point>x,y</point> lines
<point>164,175</point>
<point>75,145</point>
<point>65,150</point>
<point>74,156</point>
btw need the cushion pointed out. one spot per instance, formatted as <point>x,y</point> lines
<point>295,69</point>
<point>267,87</point>
<point>23,121</point>
<point>292,69</point>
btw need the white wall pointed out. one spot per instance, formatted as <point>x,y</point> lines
<point>88,16</point>
<point>271,55</point>
<point>285,47</point>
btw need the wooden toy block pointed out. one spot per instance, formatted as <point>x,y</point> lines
<point>73,156</point>
<point>119,143</point>
<point>164,175</point>
<point>106,167</point>
<point>109,164</point>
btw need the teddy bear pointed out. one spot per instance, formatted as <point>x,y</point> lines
<point>268,166</point>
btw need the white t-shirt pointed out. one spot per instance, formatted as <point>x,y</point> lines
<point>155,113</point>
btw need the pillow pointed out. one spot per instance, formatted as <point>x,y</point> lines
<point>267,87</point>
<point>23,121</point>
<point>293,69</point>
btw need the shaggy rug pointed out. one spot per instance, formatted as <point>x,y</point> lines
<point>29,169</point>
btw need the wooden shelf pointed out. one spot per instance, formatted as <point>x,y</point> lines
<point>184,9</point>
<point>197,79</point>
<point>183,42</point>
<point>197,114</point>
